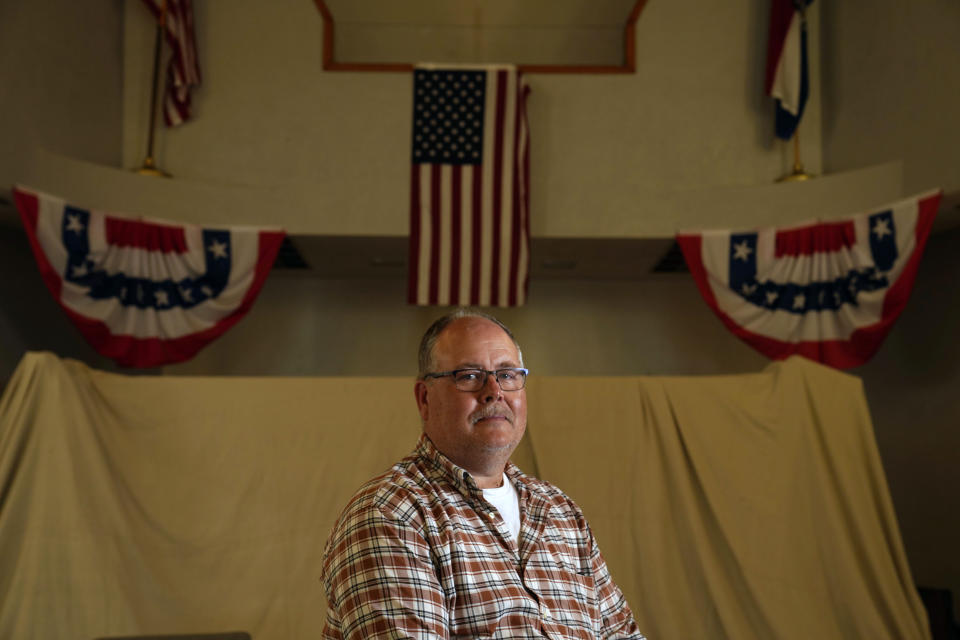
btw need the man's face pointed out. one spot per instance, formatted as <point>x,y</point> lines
<point>477,430</point>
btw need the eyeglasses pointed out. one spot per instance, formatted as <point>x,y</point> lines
<point>512,379</point>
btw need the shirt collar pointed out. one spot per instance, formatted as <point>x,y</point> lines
<point>457,475</point>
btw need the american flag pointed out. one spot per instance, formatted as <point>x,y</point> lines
<point>469,187</point>
<point>183,71</point>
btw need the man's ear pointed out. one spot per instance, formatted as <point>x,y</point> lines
<point>420,392</point>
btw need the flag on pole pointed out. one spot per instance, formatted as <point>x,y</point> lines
<point>183,71</point>
<point>469,187</point>
<point>787,77</point>
<point>829,291</point>
<point>145,293</point>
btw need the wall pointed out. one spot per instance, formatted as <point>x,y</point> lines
<point>60,69</point>
<point>889,88</point>
<point>911,388</point>
<point>363,326</point>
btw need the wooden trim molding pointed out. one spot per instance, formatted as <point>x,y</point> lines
<point>628,66</point>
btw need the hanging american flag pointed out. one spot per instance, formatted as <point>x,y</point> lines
<point>183,71</point>
<point>469,187</point>
<point>787,75</point>
<point>145,293</point>
<point>828,291</point>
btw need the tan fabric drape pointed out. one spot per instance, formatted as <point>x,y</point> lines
<point>743,506</point>
<point>747,506</point>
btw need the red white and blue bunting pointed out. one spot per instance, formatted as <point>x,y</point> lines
<point>145,293</point>
<point>829,291</point>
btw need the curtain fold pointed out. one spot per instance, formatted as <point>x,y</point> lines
<point>746,506</point>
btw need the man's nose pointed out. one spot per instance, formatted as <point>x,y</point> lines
<point>491,390</point>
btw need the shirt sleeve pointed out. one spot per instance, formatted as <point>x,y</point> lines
<point>618,622</point>
<point>380,581</point>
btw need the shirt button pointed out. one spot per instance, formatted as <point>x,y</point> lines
<point>491,515</point>
<point>546,614</point>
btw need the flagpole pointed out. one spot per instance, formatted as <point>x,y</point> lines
<point>798,174</point>
<point>149,167</point>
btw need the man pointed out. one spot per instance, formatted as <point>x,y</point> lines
<point>455,541</point>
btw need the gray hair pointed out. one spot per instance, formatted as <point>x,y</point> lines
<point>429,340</point>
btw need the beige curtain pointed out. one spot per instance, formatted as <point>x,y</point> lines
<point>747,506</point>
<point>728,507</point>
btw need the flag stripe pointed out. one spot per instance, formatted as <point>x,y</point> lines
<point>435,204</point>
<point>819,238</point>
<point>446,213</point>
<point>478,217</point>
<point>145,235</point>
<point>516,201</point>
<point>525,196</point>
<point>423,260</point>
<point>455,231</point>
<point>507,193</point>
<point>414,243</point>
<point>497,189</point>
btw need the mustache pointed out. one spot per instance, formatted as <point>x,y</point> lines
<point>492,411</point>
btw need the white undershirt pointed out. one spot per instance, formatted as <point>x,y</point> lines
<point>507,502</point>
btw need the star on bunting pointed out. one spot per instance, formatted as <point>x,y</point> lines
<point>742,251</point>
<point>218,249</point>
<point>74,224</point>
<point>882,228</point>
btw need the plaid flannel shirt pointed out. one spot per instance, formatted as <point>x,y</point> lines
<point>419,553</point>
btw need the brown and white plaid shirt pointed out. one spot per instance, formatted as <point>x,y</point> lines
<point>419,553</point>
